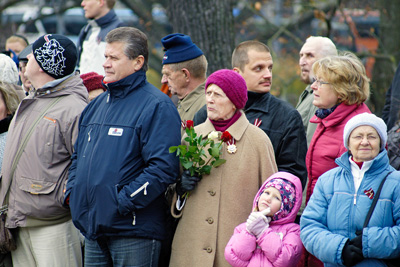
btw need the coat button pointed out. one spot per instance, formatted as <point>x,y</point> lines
<point>212,192</point>
<point>208,249</point>
<point>210,220</point>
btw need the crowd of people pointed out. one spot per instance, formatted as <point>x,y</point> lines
<point>88,178</point>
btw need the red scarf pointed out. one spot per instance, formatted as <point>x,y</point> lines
<point>358,163</point>
<point>223,125</point>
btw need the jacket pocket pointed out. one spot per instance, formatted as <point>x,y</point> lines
<point>40,199</point>
<point>36,187</point>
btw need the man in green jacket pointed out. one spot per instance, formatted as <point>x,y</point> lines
<point>184,69</point>
<point>315,48</point>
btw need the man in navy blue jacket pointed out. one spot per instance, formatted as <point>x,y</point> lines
<point>121,165</point>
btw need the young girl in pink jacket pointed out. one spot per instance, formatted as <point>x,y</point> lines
<point>269,237</point>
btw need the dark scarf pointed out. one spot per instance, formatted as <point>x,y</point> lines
<point>223,125</point>
<point>4,123</point>
<point>323,113</point>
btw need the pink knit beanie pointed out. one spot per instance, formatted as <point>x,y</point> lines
<point>233,85</point>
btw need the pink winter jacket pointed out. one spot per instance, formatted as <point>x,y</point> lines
<point>279,245</point>
<point>327,142</point>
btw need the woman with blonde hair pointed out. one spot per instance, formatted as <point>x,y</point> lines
<point>8,105</point>
<point>340,87</point>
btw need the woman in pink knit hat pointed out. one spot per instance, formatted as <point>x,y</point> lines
<point>93,83</point>
<point>219,201</point>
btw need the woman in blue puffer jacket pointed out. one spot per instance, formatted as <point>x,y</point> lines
<point>342,197</point>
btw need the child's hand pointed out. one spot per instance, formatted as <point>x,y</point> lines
<point>257,222</point>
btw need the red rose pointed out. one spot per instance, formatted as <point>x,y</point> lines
<point>226,136</point>
<point>189,124</point>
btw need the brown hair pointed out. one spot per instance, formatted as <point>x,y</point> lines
<point>110,3</point>
<point>240,55</point>
<point>9,96</point>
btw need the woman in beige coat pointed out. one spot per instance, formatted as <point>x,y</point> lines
<point>220,201</point>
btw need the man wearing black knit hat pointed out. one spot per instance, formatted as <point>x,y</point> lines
<point>184,69</point>
<point>45,129</point>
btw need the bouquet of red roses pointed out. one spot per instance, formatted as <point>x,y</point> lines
<point>194,155</point>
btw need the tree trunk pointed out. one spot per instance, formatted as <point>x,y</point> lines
<point>210,24</point>
<point>389,35</point>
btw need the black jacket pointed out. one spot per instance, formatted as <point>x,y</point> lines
<point>390,112</point>
<point>284,127</point>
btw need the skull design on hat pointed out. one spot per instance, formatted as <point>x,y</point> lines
<point>56,55</point>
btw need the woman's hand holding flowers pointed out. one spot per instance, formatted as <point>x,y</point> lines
<point>187,182</point>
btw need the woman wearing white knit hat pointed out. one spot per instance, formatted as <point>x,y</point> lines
<point>335,227</point>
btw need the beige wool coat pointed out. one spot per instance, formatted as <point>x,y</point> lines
<point>223,199</point>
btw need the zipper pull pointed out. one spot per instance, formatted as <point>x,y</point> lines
<point>108,97</point>
<point>355,201</point>
<point>134,218</point>
<point>143,187</point>
<point>89,135</point>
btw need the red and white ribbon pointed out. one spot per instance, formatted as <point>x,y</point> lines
<point>257,122</point>
<point>231,146</point>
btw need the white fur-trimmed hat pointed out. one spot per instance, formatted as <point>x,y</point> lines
<point>8,70</point>
<point>365,119</point>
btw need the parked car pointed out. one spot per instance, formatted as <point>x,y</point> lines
<point>33,22</point>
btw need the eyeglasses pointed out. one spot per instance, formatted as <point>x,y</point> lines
<point>319,82</point>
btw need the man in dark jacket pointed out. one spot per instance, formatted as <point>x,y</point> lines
<point>390,112</point>
<point>91,41</point>
<point>121,166</point>
<point>280,121</point>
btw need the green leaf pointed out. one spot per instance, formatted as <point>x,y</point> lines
<point>182,149</point>
<point>172,149</point>
<point>215,152</point>
<point>192,149</point>
<point>187,164</point>
<point>219,162</point>
<point>206,169</point>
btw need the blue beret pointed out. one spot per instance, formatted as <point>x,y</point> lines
<point>178,48</point>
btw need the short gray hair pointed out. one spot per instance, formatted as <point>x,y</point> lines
<point>135,42</point>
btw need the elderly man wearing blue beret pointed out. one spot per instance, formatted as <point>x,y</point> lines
<point>184,69</point>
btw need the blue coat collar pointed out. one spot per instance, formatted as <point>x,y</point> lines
<point>126,85</point>
<point>107,18</point>
<point>379,165</point>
